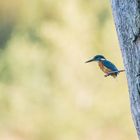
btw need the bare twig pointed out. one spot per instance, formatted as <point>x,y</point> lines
<point>113,72</point>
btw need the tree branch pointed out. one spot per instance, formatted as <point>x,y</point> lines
<point>113,72</point>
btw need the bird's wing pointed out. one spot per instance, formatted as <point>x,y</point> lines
<point>109,65</point>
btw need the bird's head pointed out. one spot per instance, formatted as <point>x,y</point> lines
<point>96,58</point>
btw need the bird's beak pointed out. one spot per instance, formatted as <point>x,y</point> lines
<point>90,60</point>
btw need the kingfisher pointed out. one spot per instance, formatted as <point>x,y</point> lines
<point>106,66</point>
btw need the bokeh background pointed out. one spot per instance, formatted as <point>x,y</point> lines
<point>47,92</point>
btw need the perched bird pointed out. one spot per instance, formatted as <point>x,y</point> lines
<point>106,66</point>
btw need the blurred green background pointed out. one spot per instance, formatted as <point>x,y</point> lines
<point>47,92</point>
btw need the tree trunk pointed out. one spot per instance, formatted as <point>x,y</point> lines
<point>127,21</point>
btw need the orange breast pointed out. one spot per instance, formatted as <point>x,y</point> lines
<point>105,69</point>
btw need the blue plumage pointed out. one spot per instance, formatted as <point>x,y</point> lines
<point>109,65</point>
<point>106,66</point>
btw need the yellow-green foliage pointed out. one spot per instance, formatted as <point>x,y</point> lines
<point>47,92</point>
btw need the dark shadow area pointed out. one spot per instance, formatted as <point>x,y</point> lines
<point>6,28</point>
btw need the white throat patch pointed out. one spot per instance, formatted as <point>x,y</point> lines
<point>102,58</point>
